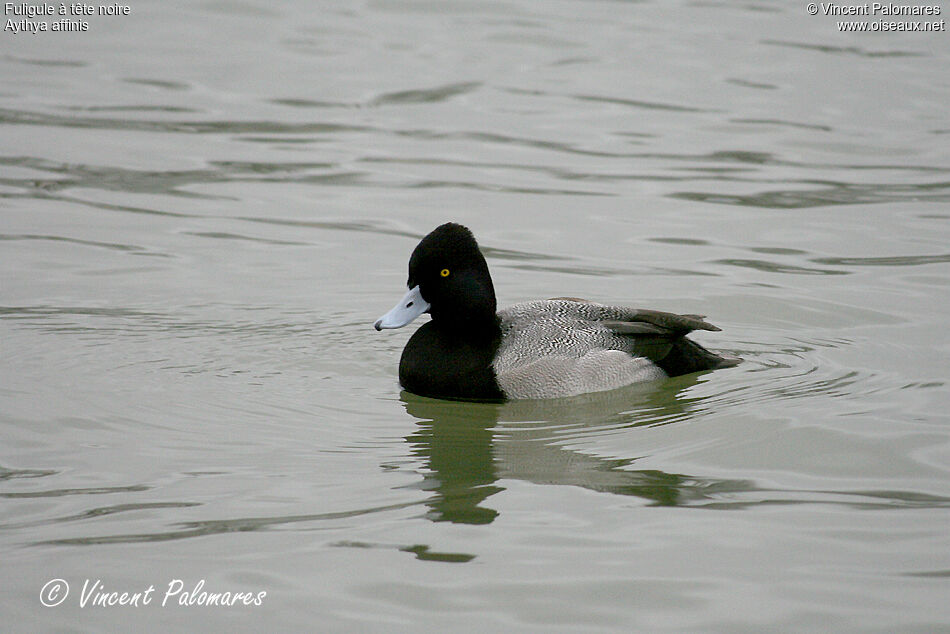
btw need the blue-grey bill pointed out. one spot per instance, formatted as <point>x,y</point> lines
<point>409,307</point>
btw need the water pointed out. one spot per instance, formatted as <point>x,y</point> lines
<point>206,205</point>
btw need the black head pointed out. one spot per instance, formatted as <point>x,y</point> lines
<point>453,277</point>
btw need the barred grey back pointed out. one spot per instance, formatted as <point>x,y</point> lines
<point>562,347</point>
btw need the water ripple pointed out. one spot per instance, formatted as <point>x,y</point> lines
<point>13,474</point>
<point>846,50</point>
<point>892,260</point>
<point>775,267</point>
<point>635,103</point>
<point>129,248</point>
<point>23,117</point>
<point>203,528</point>
<point>52,493</point>
<point>427,95</point>
<point>831,195</point>
<point>100,512</point>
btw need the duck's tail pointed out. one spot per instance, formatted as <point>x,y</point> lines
<point>686,356</point>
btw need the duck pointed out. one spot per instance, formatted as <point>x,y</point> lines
<point>541,349</point>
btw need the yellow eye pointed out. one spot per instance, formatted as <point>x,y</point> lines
<point>444,272</point>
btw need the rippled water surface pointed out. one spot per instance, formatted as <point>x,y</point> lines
<point>205,205</point>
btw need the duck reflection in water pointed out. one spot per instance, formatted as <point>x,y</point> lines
<point>468,447</point>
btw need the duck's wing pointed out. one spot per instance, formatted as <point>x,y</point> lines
<point>658,336</point>
<point>634,321</point>
<point>568,346</point>
<point>642,321</point>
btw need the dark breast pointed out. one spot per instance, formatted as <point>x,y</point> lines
<point>449,364</point>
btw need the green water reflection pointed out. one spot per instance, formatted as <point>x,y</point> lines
<point>469,449</point>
